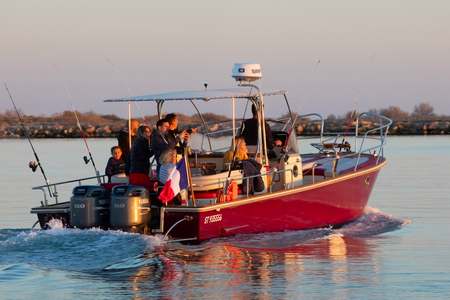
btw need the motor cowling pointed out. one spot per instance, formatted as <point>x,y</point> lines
<point>89,207</point>
<point>129,208</point>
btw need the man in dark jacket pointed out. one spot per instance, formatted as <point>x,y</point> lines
<point>123,140</point>
<point>159,140</point>
<point>176,139</point>
<point>140,158</point>
<point>250,130</point>
<point>141,152</point>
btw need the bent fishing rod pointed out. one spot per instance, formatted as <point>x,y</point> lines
<point>85,158</point>
<point>33,164</point>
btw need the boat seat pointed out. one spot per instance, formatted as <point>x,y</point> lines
<point>214,193</point>
<point>120,178</point>
<point>214,181</point>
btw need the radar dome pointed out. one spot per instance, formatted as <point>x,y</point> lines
<point>246,72</point>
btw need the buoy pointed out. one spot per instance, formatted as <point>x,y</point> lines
<point>232,191</point>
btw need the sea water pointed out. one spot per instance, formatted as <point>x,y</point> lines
<point>399,249</point>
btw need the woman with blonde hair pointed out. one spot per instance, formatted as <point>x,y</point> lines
<point>241,152</point>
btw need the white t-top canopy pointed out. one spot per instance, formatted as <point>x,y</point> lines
<point>205,95</point>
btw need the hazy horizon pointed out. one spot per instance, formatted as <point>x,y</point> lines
<point>331,57</point>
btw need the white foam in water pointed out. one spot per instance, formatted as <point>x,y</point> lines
<point>57,227</point>
<point>373,222</point>
<point>55,224</point>
<point>74,249</point>
<point>154,240</point>
<point>77,249</point>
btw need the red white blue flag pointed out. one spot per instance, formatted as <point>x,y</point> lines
<point>176,182</point>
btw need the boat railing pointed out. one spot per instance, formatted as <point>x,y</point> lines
<point>377,133</point>
<point>53,187</point>
<point>362,134</point>
<point>313,118</point>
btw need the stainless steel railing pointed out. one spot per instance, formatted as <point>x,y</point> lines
<point>383,128</point>
<point>53,187</point>
<point>378,134</point>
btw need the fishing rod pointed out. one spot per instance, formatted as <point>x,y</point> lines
<point>33,164</point>
<point>85,158</point>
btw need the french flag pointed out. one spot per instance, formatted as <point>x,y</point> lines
<point>176,182</point>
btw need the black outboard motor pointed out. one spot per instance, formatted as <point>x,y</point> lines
<point>130,208</point>
<point>89,207</point>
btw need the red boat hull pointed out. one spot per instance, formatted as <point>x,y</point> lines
<point>328,203</point>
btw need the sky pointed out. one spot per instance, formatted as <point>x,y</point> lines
<point>331,56</point>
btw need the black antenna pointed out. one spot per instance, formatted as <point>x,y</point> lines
<point>33,164</point>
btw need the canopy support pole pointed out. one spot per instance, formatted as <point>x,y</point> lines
<point>234,119</point>
<point>129,125</point>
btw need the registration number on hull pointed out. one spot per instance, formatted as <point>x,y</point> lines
<point>213,219</point>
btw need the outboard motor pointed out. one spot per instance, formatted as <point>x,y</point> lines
<point>130,208</point>
<point>89,207</point>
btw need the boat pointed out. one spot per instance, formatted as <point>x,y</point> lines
<point>328,187</point>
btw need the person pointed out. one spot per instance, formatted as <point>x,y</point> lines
<point>277,150</point>
<point>176,139</point>
<point>241,151</point>
<point>123,139</point>
<point>250,127</point>
<point>140,157</point>
<point>115,165</point>
<point>168,161</point>
<point>251,167</point>
<point>159,140</point>
<point>252,170</point>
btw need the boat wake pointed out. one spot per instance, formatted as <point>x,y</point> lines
<point>374,222</point>
<point>97,251</point>
<point>72,249</point>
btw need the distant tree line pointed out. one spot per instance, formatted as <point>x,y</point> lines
<point>64,125</point>
<point>423,111</point>
<point>422,120</point>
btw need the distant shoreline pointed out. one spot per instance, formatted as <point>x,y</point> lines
<point>422,121</point>
<point>39,131</point>
<point>418,128</point>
